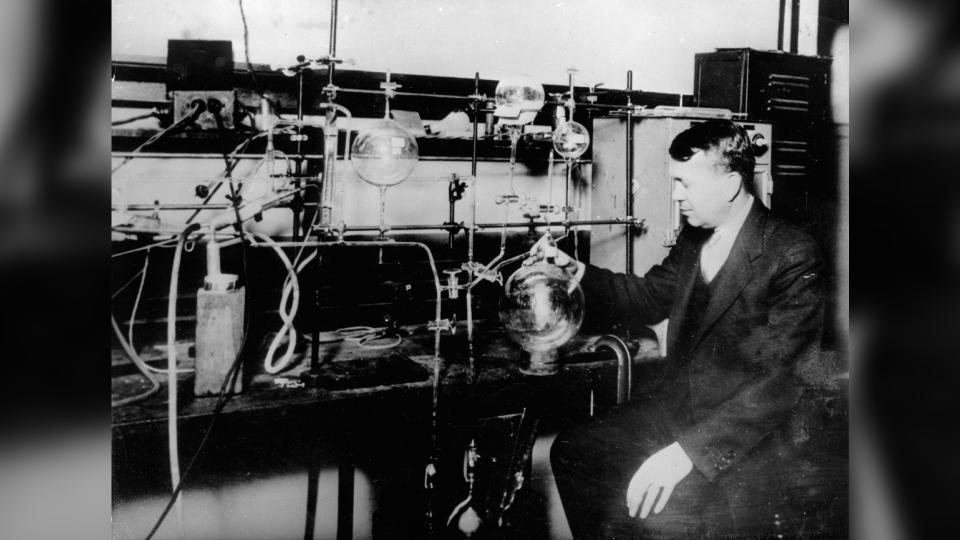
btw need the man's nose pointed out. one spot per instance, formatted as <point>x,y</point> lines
<point>679,194</point>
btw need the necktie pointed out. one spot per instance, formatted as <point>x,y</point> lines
<point>710,257</point>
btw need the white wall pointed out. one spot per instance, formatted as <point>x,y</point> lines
<point>603,39</point>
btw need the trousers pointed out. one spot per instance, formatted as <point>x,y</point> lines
<point>593,464</point>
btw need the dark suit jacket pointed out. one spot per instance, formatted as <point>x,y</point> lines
<point>740,380</point>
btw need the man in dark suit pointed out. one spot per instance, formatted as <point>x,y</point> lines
<point>742,291</point>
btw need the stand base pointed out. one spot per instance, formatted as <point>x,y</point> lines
<point>542,363</point>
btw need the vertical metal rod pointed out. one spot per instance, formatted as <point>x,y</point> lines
<point>476,114</point>
<point>473,216</point>
<point>345,489</point>
<point>332,67</point>
<point>470,233</point>
<point>297,199</point>
<point>794,25</point>
<point>313,484</point>
<point>566,199</point>
<point>628,230</point>
<point>327,195</point>
<point>782,17</point>
<point>453,214</point>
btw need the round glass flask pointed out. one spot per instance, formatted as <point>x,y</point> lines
<point>384,154</point>
<point>542,308</point>
<point>571,140</point>
<point>518,99</point>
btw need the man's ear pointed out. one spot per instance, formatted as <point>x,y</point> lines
<point>733,185</point>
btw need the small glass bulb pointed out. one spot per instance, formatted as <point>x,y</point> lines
<point>571,140</point>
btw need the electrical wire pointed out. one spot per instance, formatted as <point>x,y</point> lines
<point>135,358</point>
<point>152,114</point>
<point>160,134</point>
<point>136,302</point>
<point>133,316</point>
<point>246,55</point>
<point>246,46</point>
<point>161,243</point>
<point>128,348</point>
<point>127,284</point>
<point>214,186</point>
<point>361,335</point>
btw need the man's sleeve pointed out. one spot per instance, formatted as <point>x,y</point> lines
<point>790,337</point>
<point>615,299</point>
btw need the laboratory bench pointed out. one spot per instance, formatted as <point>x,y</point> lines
<point>380,423</point>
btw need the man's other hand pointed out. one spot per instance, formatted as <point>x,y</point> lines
<point>660,473</point>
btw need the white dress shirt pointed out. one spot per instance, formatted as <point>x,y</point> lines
<point>717,248</point>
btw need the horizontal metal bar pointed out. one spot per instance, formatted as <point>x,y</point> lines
<point>482,226</point>
<point>403,94</point>
<point>789,84</point>
<point>148,207</point>
<point>785,108</point>
<point>781,76</point>
<point>195,155</point>
<point>789,101</point>
<point>572,223</point>
<point>340,158</point>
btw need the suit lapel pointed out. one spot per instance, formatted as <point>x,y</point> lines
<point>737,270</point>
<point>690,266</point>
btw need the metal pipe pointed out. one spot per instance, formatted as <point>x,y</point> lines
<point>308,156</point>
<point>473,217</point>
<point>476,114</point>
<point>148,207</point>
<point>794,25</point>
<point>298,200</point>
<point>628,232</point>
<point>511,225</point>
<point>331,67</point>
<point>624,364</point>
<point>470,234</point>
<point>404,94</point>
<point>183,155</point>
<point>780,20</point>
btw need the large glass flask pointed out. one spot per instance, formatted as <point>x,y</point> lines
<point>542,308</point>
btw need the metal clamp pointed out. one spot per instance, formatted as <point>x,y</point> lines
<point>446,325</point>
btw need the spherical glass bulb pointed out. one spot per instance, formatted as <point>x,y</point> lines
<point>385,154</point>
<point>542,307</point>
<point>571,140</point>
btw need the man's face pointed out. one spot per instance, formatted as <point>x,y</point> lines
<point>702,189</point>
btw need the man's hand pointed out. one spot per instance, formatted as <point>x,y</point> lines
<point>661,471</point>
<point>545,248</point>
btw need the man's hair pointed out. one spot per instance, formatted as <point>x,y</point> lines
<point>729,140</point>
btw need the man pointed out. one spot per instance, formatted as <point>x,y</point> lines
<point>742,291</point>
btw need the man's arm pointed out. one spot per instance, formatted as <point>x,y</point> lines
<point>791,336</point>
<point>615,298</point>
